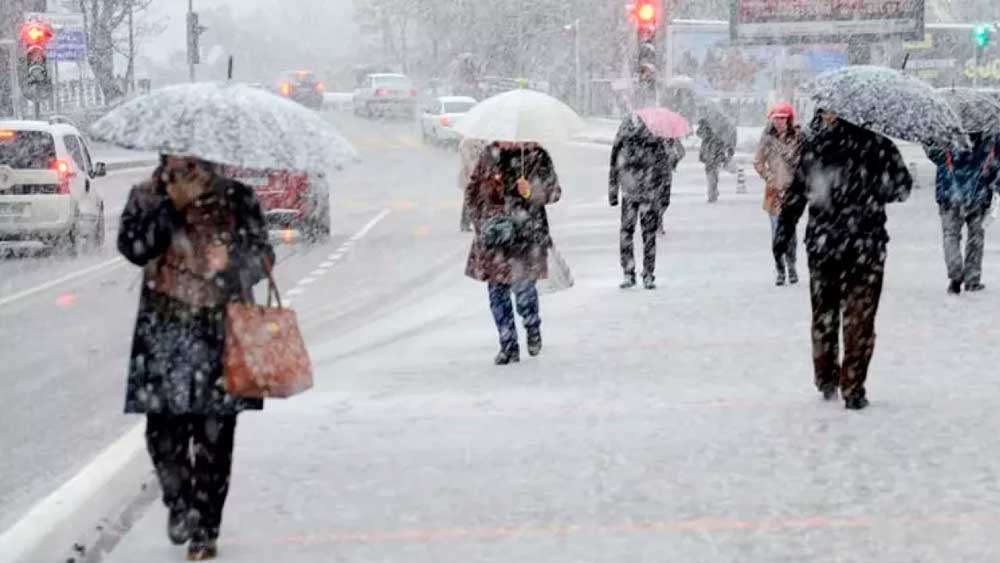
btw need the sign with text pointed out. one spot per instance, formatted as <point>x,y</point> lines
<point>825,21</point>
<point>69,39</point>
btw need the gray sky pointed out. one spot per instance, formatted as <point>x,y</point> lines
<point>326,23</point>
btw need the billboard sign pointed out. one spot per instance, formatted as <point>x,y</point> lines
<point>825,21</point>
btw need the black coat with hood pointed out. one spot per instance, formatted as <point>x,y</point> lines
<point>642,165</point>
<point>846,176</point>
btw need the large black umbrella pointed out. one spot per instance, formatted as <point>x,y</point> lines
<point>978,112</point>
<point>890,103</point>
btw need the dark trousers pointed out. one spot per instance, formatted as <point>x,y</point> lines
<point>526,296</point>
<point>632,211</point>
<point>193,456</point>
<point>848,290</point>
<point>786,257</point>
<point>968,269</point>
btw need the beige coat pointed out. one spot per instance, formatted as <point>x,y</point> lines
<point>775,161</point>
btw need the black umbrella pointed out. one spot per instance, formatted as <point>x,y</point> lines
<point>890,103</point>
<point>979,113</point>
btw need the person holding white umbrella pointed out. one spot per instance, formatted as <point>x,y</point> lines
<point>506,197</point>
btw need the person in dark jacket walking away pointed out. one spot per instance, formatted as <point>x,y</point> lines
<point>506,197</point>
<point>717,149</point>
<point>202,243</point>
<point>965,184</point>
<point>642,167</point>
<point>847,175</point>
<point>776,159</point>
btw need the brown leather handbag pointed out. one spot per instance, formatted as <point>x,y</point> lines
<point>264,354</point>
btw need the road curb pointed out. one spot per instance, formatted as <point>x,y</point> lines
<point>85,517</point>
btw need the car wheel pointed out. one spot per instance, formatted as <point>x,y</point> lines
<point>69,244</point>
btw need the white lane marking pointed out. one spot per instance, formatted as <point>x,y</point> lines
<point>59,281</point>
<point>47,514</point>
<point>337,255</point>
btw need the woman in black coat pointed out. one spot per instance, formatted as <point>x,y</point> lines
<point>202,242</point>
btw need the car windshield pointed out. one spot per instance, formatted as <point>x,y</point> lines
<point>391,82</point>
<point>458,107</point>
<point>302,78</point>
<point>26,149</point>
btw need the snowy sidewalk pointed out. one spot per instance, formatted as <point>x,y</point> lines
<point>675,425</point>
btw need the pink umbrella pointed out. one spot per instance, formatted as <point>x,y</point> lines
<point>664,123</point>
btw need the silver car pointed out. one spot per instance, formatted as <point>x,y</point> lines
<point>439,116</point>
<point>384,93</point>
<point>46,189</point>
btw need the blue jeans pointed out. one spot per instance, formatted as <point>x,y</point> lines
<point>526,295</point>
<point>789,258</point>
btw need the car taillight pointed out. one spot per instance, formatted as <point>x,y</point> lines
<point>445,121</point>
<point>320,87</point>
<point>65,172</point>
<point>285,89</point>
<point>413,93</point>
<point>7,135</point>
<point>380,93</point>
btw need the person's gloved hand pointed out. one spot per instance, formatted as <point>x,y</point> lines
<point>613,200</point>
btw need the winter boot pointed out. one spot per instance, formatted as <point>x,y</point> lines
<point>793,276</point>
<point>629,282</point>
<point>955,287</point>
<point>178,525</point>
<point>534,342</point>
<point>202,550</point>
<point>649,282</point>
<point>780,279</point>
<point>507,356</point>
<point>829,392</point>
<point>855,403</point>
<point>974,287</point>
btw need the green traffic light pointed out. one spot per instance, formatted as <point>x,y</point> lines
<point>981,35</point>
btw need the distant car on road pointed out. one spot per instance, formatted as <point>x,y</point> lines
<point>439,116</point>
<point>289,200</point>
<point>46,189</point>
<point>303,87</point>
<point>383,93</point>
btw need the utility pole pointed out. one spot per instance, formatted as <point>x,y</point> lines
<point>579,73</point>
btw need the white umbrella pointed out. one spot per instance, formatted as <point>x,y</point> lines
<point>226,123</point>
<point>521,116</point>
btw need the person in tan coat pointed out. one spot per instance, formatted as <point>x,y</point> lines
<point>776,159</point>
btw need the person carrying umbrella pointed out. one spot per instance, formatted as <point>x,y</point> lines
<point>776,159</point>
<point>506,198</point>
<point>847,175</point>
<point>965,182</point>
<point>202,243</point>
<point>642,166</point>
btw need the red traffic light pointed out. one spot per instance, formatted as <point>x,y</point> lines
<point>35,33</point>
<point>645,12</point>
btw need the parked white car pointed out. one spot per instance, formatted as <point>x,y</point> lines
<point>47,192</point>
<point>439,116</point>
<point>383,93</point>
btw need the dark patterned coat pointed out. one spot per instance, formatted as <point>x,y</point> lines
<point>176,361</point>
<point>492,191</point>
<point>846,176</point>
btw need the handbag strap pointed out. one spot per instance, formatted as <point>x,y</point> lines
<point>272,287</point>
